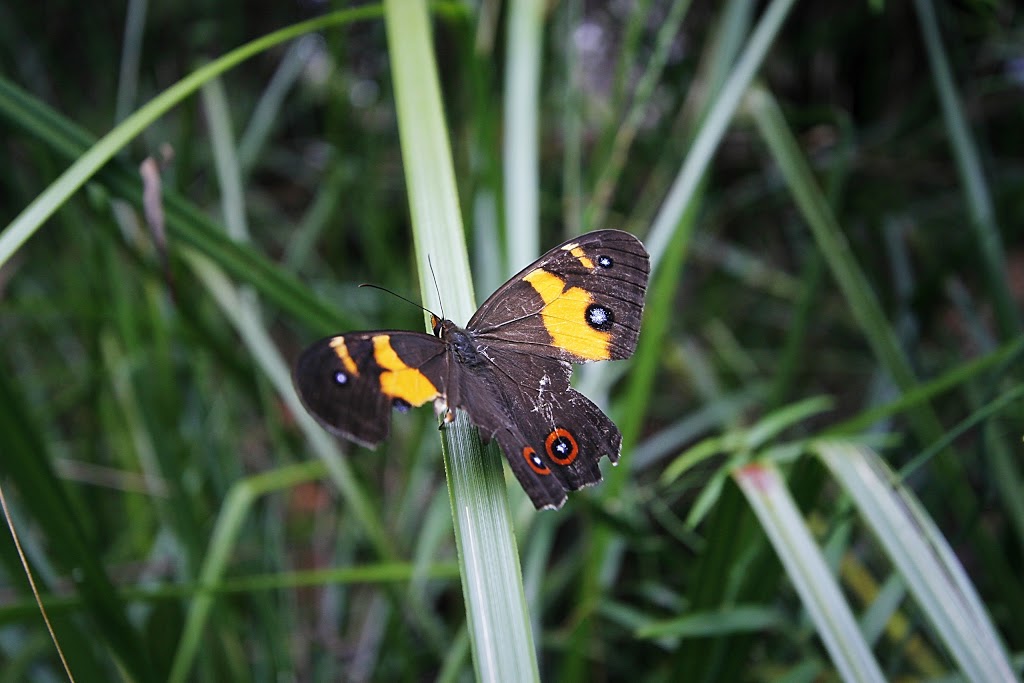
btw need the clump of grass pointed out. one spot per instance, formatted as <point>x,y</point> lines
<point>822,417</point>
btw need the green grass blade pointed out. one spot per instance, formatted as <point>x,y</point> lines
<point>521,140</point>
<point>186,223</point>
<point>968,163</point>
<point>626,132</point>
<point>27,462</point>
<point>808,571</point>
<point>499,623</point>
<point>715,123</point>
<point>1007,355</point>
<point>222,541</point>
<point>924,559</point>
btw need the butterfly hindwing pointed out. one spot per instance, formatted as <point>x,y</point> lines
<point>351,382</point>
<point>552,435</point>
<point>564,445</point>
<point>494,403</point>
<point>582,301</point>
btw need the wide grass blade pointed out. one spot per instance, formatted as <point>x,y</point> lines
<point>499,622</point>
<point>927,564</point>
<point>780,518</point>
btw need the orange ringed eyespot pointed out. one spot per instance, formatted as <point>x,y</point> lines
<point>536,464</point>
<point>561,446</point>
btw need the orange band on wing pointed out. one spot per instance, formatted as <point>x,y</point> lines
<point>581,256</point>
<point>338,344</point>
<point>565,316</point>
<point>397,379</point>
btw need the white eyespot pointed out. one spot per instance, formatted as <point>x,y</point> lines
<point>599,317</point>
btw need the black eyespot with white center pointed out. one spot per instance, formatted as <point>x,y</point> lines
<point>605,261</point>
<point>340,378</point>
<point>561,446</point>
<point>599,317</point>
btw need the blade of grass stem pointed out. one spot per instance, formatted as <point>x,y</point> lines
<point>498,619</point>
<point>522,172</point>
<point>928,565</point>
<point>131,51</point>
<point>229,523</point>
<point>719,114</point>
<point>61,518</point>
<point>268,109</point>
<point>1008,353</point>
<point>185,222</point>
<point>808,571</point>
<point>625,132</point>
<point>860,297</point>
<point>968,164</point>
<point>572,120</point>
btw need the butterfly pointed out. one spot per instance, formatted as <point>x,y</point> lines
<point>508,368</point>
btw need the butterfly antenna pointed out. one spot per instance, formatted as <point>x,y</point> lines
<point>385,289</point>
<point>436,288</point>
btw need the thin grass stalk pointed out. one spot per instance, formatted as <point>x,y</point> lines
<point>267,115</point>
<point>499,624</point>
<point>808,571</point>
<point>522,110</point>
<point>625,133</point>
<point>972,176</point>
<point>856,289</point>
<point>1006,355</point>
<point>232,515</point>
<point>719,114</point>
<point>861,298</point>
<point>131,57</point>
<point>572,122</point>
<point>27,463</point>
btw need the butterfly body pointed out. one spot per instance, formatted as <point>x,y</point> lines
<point>508,369</point>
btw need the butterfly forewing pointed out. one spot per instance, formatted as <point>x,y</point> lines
<point>582,301</point>
<point>351,382</point>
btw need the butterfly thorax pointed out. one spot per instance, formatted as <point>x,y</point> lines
<point>461,342</point>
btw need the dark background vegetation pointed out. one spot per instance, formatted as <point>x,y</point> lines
<point>107,352</point>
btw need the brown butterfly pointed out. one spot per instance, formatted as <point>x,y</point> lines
<point>508,369</point>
